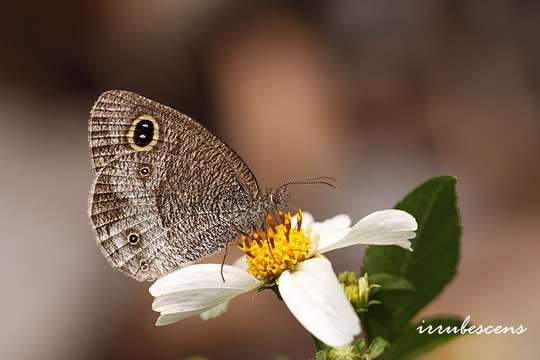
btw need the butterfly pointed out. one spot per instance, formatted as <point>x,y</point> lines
<point>167,192</point>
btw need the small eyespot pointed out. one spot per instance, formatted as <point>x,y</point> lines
<point>144,265</point>
<point>133,238</point>
<point>145,171</point>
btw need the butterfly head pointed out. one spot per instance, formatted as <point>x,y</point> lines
<point>279,198</point>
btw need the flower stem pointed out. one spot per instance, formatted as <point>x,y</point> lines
<point>364,330</point>
<point>319,345</point>
<point>275,289</point>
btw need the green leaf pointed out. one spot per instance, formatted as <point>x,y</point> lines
<point>376,348</point>
<point>410,344</point>
<point>390,282</point>
<point>428,268</point>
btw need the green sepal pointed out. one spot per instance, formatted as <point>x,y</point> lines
<point>376,348</point>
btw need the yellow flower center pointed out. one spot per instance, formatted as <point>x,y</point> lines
<point>276,247</point>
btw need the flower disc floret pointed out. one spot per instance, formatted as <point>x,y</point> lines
<point>276,247</point>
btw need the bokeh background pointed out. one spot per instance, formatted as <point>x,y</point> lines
<point>380,94</point>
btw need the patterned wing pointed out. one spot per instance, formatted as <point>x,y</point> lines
<point>167,191</point>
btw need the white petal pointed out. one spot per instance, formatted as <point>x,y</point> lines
<point>197,288</point>
<point>332,230</point>
<point>341,221</point>
<point>168,319</point>
<point>200,276</point>
<point>215,311</point>
<point>307,219</point>
<point>220,309</point>
<point>386,227</point>
<point>314,296</point>
<point>241,263</point>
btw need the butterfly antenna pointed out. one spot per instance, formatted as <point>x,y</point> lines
<point>319,180</point>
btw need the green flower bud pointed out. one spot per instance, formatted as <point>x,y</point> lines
<point>357,290</point>
<point>363,291</point>
<point>348,278</point>
<point>347,352</point>
<point>349,283</point>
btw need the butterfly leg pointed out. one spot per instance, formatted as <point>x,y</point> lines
<point>223,261</point>
<point>227,249</point>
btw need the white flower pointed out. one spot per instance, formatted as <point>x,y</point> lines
<point>291,255</point>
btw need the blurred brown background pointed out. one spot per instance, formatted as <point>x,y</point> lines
<point>380,94</point>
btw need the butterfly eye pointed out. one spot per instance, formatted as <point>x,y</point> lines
<point>275,198</point>
<point>143,133</point>
<point>133,238</point>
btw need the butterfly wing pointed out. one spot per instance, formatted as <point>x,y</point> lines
<point>167,191</point>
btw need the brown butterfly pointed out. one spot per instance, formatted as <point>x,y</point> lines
<point>167,192</point>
